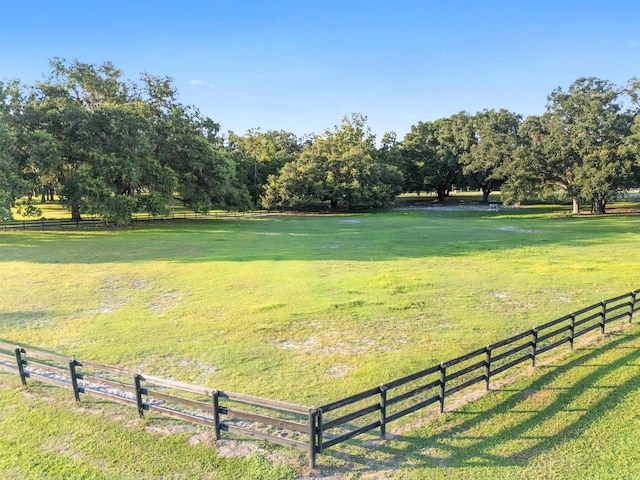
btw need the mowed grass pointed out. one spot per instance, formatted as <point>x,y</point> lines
<point>575,418</point>
<point>310,309</point>
<point>307,309</point>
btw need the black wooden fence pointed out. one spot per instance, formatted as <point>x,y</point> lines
<point>313,429</point>
<point>92,222</point>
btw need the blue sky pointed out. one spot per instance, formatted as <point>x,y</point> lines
<point>301,66</point>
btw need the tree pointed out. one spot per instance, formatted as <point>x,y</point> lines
<point>8,174</point>
<point>259,154</point>
<point>11,183</point>
<point>113,147</point>
<point>338,167</point>
<point>584,132</point>
<point>488,161</point>
<point>435,151</point>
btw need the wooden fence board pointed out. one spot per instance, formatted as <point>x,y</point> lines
<point>624,314</point>
<point>552,334</point>
<point>618,298</point>
<point>106,368</point>
<point>130,402</point>
<point>411,378</point>
<point>510,352</point>
<point>32,353</point>
<point>8,368</point>
<point>509,340</point>
<point>553,322</point>
<point>413,408</point>
<point>587,319</point>
<point>587,309</point>
<point>351,434</point>
<point>265,402</point>
<point>552,346</point>
<point>349,400</point>
<point>507,366</point>
<point>463,358</point>
<point>351,416</point>
<point>107,383</point>
<point>287,442</point>
<point>176,399</point>
<point>48,368</point>
<point>586,330</point>
<point>5,357</point>
<point>468,383</point>
<point>170,412</point>
<point>49,381</point>
<point>413,393</point>
<point>470,368</point>
<point>276,422</point>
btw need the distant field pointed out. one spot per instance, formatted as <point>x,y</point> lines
<point>300,308</point>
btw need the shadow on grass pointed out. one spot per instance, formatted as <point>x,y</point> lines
<point>513,429</point>
<point>363,237</point>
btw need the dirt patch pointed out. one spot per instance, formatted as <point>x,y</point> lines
<point>510,228</point>
<point>233,448</point>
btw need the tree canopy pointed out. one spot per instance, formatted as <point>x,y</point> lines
<point>111,146</point>
<point>338,167</point>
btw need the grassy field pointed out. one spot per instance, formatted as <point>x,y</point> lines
<point>308,309</point>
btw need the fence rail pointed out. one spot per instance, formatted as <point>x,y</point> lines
<point>92,222</point>
<point>307,428</point>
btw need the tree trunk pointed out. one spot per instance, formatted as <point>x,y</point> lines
<point>485,194</point>
<point>75,212</point>
<point>599,205</point>
<point>576,206</point>
<point>334,204</point>
<point>441,193</point>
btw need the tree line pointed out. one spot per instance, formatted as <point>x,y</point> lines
<point>111,146</point>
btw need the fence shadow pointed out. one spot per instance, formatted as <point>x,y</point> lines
<point>516,420</point>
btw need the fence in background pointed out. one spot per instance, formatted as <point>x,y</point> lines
<point>313,429</point>
<point>67,223</point>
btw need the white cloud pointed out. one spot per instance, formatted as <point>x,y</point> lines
<point>202,82</point>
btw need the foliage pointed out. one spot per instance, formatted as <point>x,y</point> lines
<point>435,151</point>
<point>579,143</point>
<point>338,167</point>
<point>259,154</point>
<point>490,155</point>
<point>113,147</point>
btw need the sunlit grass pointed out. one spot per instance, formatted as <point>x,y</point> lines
<point>300,308</point>
<point>312,308</point>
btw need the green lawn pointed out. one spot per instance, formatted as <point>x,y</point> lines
<point>308,309</point>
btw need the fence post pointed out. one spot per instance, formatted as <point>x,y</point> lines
<point>383,411</point>
<point>632,306</point>
<point>74,378</point>
<point>216,412</point>
<point>443,380</point>
<point>312,437</point>
<point>534,346</point>
<point>319,432</point>
<point>21,363</point>
<point>136,382</point>
<point>487,367</point>
<point>572,330</point>
<point>603,314</point>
